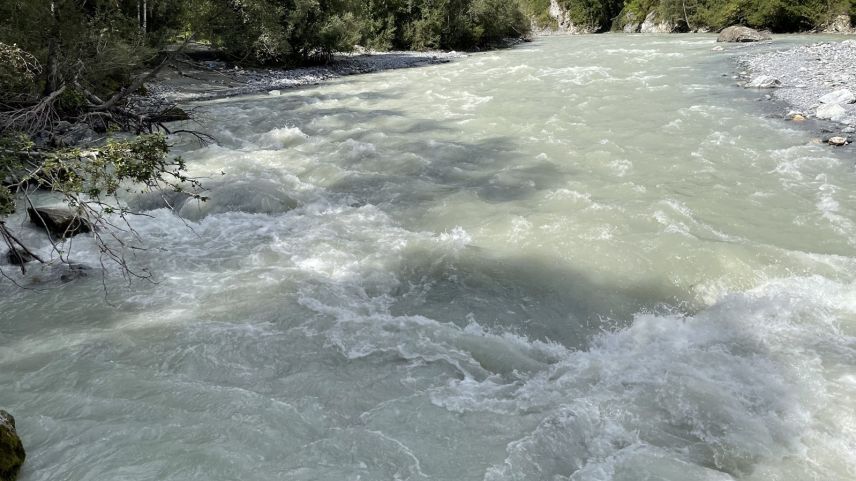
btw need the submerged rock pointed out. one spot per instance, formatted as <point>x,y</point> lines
<point>764,82</point>
<point>739,33</point>
<point>18,257</point>
<point>833,112</point>
<point>841,96</point>
<point>12,454</point>
<point>59,221</point>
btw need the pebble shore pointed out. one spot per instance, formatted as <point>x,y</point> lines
<point>185,82</point>
<point>811,80</point>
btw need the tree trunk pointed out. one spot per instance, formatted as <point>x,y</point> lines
<point>145,10</point>
<point>52,70</point>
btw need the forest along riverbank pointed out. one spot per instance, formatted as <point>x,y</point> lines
<point>583,258</point>
<point>815,81</point>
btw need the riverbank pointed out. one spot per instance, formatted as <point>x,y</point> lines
<point>812,81</point>
<point>185,81</point>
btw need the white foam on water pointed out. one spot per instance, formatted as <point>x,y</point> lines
<point>282,137</point>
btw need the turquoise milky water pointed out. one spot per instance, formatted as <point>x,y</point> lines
<point>585,258</point>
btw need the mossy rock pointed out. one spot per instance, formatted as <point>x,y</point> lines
<point>12,453</point>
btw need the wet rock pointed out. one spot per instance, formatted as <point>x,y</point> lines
<point>795,116</point>
<point>55,273</point>
<point>738,33</point>
<point>764,82</point>
<point>17,257</point>
<point>173,114</point>
<point>59,221</point>
<point>12,454</point>
<point>841,96</point>
<point>833,112</point>
<point>718,48</point>
<point>837,141</point>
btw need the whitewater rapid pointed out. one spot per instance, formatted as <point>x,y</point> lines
<point>585,258</point>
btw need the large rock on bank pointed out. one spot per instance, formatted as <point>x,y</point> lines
<point>841,96</point>
<point>764,82</point>
<point>738,33</point>
<point>12,453</point>
<point>833,112</point>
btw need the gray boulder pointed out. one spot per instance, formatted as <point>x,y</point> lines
<point>58,221</point>
<point>75,134</point>
<point>763,82</point>
<point>739,33</point>
<point>841,96</point>
<point>12,453</point>
<point>833,112</point>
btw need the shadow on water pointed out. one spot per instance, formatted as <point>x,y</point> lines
<point>540,298</point>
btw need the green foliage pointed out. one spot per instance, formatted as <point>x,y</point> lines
<point>775,15</point>
<point>18,71</point>
<point>594,14</point>
<point>98,173</point>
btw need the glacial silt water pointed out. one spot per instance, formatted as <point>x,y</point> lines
<point>585,258</point>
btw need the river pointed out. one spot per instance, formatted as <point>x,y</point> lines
<point>584,258</point>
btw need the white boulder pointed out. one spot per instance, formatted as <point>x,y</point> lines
<point>833,112</point>
<point>842,96</point>
<point>763,82</point>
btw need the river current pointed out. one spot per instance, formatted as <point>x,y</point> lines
<point>584,258</point>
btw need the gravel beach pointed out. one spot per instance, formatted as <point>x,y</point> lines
<point>186,81</point>
<point>815,81</point>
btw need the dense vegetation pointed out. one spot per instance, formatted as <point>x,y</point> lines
<point>775,15</point>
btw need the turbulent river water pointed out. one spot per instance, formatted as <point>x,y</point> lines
<point>585,258</point>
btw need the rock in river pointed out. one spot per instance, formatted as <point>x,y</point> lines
<point>738,33</point>
<point>58,221</point>
<point>12,453</point>
<point>838,141</point>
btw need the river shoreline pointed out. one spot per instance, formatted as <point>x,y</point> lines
<point>187,81</point>
<point>803,75</point>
